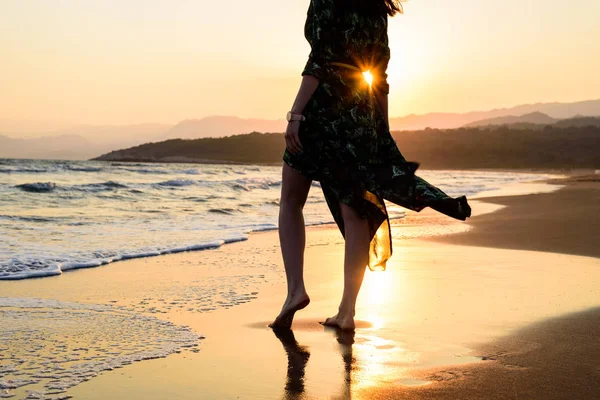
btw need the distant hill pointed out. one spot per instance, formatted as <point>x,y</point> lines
<point>249,148</point>
<point>456,120</point>
<point>105,138</point>
<point>464,148</point>
<point>535,121</point>
<point>112,133</point>
<point>579,121</point>
<point>53,147</point>
<point>532,118</point>
<point>220,126</point>
<point>15,126</point>
<point>79,142</point>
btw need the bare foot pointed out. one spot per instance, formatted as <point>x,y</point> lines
<point>291,305</point>
<point>341,321</point>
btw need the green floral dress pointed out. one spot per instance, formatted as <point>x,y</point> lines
<point>346,142</point>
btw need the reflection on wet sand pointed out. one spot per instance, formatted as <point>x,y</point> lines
<point>346,340</point>
<point>298,356</point>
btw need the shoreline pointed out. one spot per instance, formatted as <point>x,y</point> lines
<point>58,268</point>
<point>192,161</point>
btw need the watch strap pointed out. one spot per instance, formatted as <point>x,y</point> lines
<point>295,117</point>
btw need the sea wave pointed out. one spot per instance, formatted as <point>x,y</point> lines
<point>246,184</point>
<point>84,169</point>
<point>44,187</point>
<point>28,218</point>
<point>196,199</point>
<point>227,211</point>
<point>22,171</point>
<point>176,183</point>
<point>146,171</point>
<point>38,187</point>
<point>115,164</point>
<point>241,187</point>
<point>109,185</point>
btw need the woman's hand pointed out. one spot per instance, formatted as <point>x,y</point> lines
<point>292,140</point>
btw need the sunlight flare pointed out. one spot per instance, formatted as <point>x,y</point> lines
<point>368,77</point>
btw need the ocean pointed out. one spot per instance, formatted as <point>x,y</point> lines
<point>62,215</point>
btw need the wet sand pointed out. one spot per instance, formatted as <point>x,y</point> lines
<point>461,320</point>
<point>566,221</point>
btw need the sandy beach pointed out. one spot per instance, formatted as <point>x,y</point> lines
<point>507,309</point>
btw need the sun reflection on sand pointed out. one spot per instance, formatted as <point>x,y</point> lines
<point>369,361</point>
<point>377,292</point>
<point>372,354</point>
<point>376,288</point>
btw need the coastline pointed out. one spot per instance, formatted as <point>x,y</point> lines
<point>115,253</point>
<point>432,309</point>
<point>192,160</point>
<point>178,160</point>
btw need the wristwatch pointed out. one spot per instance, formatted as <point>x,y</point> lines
<point>294,117</point>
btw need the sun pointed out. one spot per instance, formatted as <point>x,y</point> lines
<point>368,77</point>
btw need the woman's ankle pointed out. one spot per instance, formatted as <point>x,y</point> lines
<point>297,293</point>
<point>346,311</point>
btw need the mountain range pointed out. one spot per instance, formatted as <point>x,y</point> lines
<point>536,118</point>
<point>61,147</point>
<point>18,140</point>
<point>454,120</point>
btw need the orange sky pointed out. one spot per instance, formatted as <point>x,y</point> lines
<point>122,62</point>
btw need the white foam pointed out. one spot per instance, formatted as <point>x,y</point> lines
<point>59,268</point>
<point>264,228</point>
<point>140,255</point>
<point>204,246</point>
<point>235,239</point>
<point>91,264</point>
<point>100,338</point>
<point>51,270</point>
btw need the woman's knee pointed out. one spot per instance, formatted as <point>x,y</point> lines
<point>294,188</point>
<point>291,199</point>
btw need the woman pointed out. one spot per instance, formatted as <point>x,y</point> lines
<point>338,134</point>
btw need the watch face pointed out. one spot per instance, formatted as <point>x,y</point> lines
<point>289,116</point>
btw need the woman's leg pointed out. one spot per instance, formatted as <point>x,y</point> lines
<point>356,259</point>
<point>294,191</point>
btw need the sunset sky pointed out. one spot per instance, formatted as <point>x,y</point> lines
<point>132,61</point>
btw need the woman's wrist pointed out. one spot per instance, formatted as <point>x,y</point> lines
<point>292,116</point>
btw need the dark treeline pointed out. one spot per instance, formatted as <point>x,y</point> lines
<point>503,147</point>
<point>251,148</point>
<point>497,147</point>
